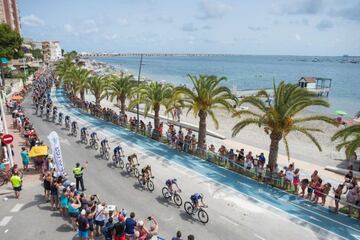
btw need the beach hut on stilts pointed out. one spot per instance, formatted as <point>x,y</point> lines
<point>320,86</point>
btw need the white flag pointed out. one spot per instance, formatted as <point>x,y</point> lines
<point>56,150</point>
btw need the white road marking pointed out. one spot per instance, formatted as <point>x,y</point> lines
<point>220,174</point>
<point>5,220</point>
<point>313,218</point>
<point>17,207</point>
<point>259,237</point>
<point>229,220</point>
<point>199,165</point>
<point>356,236</point>
<point>246,185</point>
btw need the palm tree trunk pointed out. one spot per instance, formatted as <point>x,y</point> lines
<point>122,104</point>
<point>274,149</point>
<point>82,95</point>
<point>156,132</point>
<point>202,129</point>
<point>97,100</point>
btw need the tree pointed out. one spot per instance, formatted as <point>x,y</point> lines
<point>207,96</point>
<point>73,54</point>
<point>37,53</point>
<point>80,78</point>
<point>98,86</point>
<point>62,68</point>
<point>350,139</point>
<point>10,43</point>
<point>280,118</point>
<point>153,95</point>
<point>121,87</point>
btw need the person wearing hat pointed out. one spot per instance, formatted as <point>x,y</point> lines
<point>78,174</point>
<point>83,225</point>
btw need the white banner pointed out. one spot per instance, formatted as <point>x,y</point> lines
<point>56,151</point>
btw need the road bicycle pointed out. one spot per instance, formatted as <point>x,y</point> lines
<point>132,169</point>
<point>84,138</point>
<point>94,144</point>
<point>117,160</point>
<point>74,132</point>
<point>174,196</point>
<point>192,210</point>
<point>67,124</point>
<point>54,116</point>
<point>147,182</point>
<point>60,119</point>
<point>47,115</point>
<point>104,153</point>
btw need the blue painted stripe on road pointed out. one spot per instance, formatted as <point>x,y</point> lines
<point>319,216</point>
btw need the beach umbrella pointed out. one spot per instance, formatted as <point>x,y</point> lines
<point>16,98</point>
<point>37,151</point>
<point>340,113</point>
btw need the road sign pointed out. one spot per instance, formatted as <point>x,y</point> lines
<point>7,138</point>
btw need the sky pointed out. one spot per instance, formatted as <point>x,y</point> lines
<point>259,27</point>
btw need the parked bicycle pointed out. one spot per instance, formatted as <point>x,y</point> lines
<point>172,196</point>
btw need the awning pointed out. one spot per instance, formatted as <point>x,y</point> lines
<point>38,151</point>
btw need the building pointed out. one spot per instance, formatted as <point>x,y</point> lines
<point>51,51</point>
<point>320,86</point>
<point>9,14</point>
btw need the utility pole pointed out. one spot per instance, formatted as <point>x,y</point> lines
<point>138,84</point>
<point>2,102</point>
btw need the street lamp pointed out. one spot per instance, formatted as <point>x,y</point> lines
<point>138,84</point>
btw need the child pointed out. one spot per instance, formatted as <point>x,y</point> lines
<point>304,184</point>
<point>337,195</point>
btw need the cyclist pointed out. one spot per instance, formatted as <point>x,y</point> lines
<point>104,144</point>
<point>146,173</point>
<point>131,159</point>
<point>54,110</point>
<point>37,107</point>
<point>93,136</point>
<point>195,200</point>
<point>67,120</point>
<point>83,132</point>
<point>60,116</point>
<point>41,110</point>
<point>118,151</point>
<point>73,126</point>
<point>169,183</point>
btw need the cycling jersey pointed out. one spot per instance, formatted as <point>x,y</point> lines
<point>117,150</point>
<point>83,130</point>
<point>73,124</point>
<point>196,197</point>
<point>104,142</point>
<point>170,182</point>
<point>60,114</point>
<point>67,118</point>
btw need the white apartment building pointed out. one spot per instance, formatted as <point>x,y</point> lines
<point>51,51</point>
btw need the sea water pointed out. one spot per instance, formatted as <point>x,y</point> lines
<point>255,72</point>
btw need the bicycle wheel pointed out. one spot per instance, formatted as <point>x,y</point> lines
<point>150,185</point>
<point>127,167</point>
<point>85,141</point>
<point>203,216</point>
<point>121,164</point>
<point>166,194</point>
<point>136,172</point>
<point>189,208</point>
<point>177,200</point>
<point>107,155</point>
<point>140,180</point>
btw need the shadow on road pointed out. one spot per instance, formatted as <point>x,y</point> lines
<point>64,228</point>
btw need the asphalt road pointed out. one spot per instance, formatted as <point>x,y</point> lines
<point>233,215</point>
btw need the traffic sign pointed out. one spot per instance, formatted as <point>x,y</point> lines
<point>7,138</point>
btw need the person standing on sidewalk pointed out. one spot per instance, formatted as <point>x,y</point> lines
<point>25,158</point>
<point>78,174</point>
<point>16,183</point>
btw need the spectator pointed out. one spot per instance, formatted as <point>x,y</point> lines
<point>83,225</point>
<point>130,224</point>
<point>119,228</point>
<point>154,228</point>
<point>100,217</point>
<point>191,237</point>
<point>296,179</point>
<point>178,236</point>
<point>73,209</point>
<point>25,158</point>
<point>304,184</point>
<point>262,159</point>
<point>338,192</point>
<point>16,183</point>
<point>107,230</point>
<point>241,156</point>
<point>212,148</point>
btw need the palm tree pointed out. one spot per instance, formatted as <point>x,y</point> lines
<point>62,68</point>
<point>79,77</point>
<point>280,118</point>
<point>98,86</point>
<point>350,137</point>
<point>153,95</point>
<point>121,88</point>
<point>207,96</point>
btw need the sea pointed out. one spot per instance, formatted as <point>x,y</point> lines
<point>249,72</point>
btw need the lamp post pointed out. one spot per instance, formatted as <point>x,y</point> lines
<point>138,84</point>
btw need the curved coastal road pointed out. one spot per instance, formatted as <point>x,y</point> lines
<point>239,208</point>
